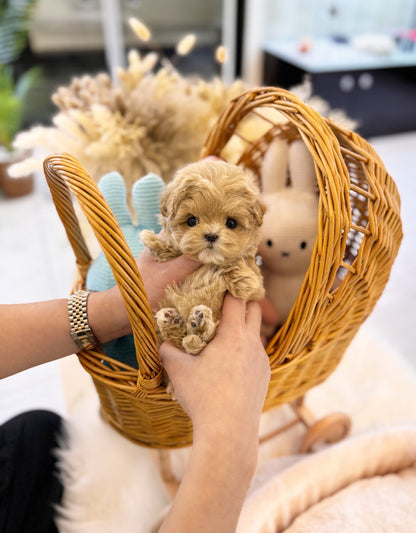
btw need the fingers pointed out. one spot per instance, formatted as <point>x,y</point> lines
<point>175,270</point>
<point>268,311</point>
<point>253,317</point>
<point>184,265</point>
<point>236,311</point>
<point>233,312</point>
<point>175,362</point>
<point>144,259</point>
<point>158,275</point>
<point>180,266</point>
<point>167,351</point>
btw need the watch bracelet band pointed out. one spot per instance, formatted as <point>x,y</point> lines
<point>81,331</point>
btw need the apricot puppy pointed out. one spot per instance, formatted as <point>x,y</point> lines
<point>212,212</point>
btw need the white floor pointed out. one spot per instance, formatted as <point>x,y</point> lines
<point>37,263</point>
<point>394,316</point>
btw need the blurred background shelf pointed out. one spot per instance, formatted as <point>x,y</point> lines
<point>376,90</point>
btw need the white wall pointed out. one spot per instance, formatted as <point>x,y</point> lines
<point>298,18</point>
<point>291,19</point>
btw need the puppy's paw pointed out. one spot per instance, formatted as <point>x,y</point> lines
<point>193,344</point>
<point>168,316</point>
<point>149,238</point>
<point>200,322</point>
<point>248,286</point>
<point>159,248</point>
<point>170,325</point>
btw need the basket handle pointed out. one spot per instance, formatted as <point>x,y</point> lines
<point>64,175</point>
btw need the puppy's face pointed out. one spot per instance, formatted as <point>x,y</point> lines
<point>213,212</point>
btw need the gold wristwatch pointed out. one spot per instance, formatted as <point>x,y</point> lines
<point>78,318</point>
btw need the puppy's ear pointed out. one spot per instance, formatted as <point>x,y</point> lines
<point>259,210</point>
<point>183,186</point>
<point>171,199</point>
<point>165,204</point>
<point>258,206</point>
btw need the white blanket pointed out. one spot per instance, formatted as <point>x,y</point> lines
<point>363,484</point>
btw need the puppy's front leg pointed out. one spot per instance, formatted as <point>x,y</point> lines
<point>159,247</point>
<point>243,282</point>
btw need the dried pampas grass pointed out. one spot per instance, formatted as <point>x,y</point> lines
<point>141,30</point>
<point>152,120</point>
<point>186,45</point>
<point>221,54</point>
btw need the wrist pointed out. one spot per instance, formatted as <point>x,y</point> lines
<point>216,483</point>
<point>108,315</point>
<point>81,331</point>
<point>229,445</point>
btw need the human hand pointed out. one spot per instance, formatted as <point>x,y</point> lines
<point>270,320</point>
<point>158,275</point>
<point>224,387</point>
<point>223,390</point>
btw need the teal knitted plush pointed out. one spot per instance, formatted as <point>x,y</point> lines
<point>146,194</point>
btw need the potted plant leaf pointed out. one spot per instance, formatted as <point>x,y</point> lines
<point>14,20</point>
<point>12,100</point>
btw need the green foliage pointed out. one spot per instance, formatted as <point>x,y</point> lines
<point>12,101</point>
<point>14,22</point>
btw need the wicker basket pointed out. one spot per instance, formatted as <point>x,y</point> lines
<point>359,233</point>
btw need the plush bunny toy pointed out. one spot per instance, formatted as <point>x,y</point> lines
<point>146,195</point>
<point>290,223</point>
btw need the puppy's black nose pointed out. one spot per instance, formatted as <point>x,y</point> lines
<point>211,237</point>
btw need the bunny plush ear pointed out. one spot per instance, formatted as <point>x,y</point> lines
<point>274,167</point>
<point>146,195</point>
<point>114,191</point>
<point>301,167</point>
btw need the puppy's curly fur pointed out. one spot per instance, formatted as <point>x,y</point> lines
<point>211,212</point>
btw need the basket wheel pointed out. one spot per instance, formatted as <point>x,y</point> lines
<point>331,428</point>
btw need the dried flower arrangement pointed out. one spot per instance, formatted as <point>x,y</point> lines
<point>152,120</point>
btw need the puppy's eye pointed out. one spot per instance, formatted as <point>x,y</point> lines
<point>269,243</point>
<point>303,245</point>
<point>231,223</point>
<point>192,221</point>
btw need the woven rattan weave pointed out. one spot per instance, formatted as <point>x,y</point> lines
<point>359,233</point>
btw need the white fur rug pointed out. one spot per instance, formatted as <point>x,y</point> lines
<point>112,485</point>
